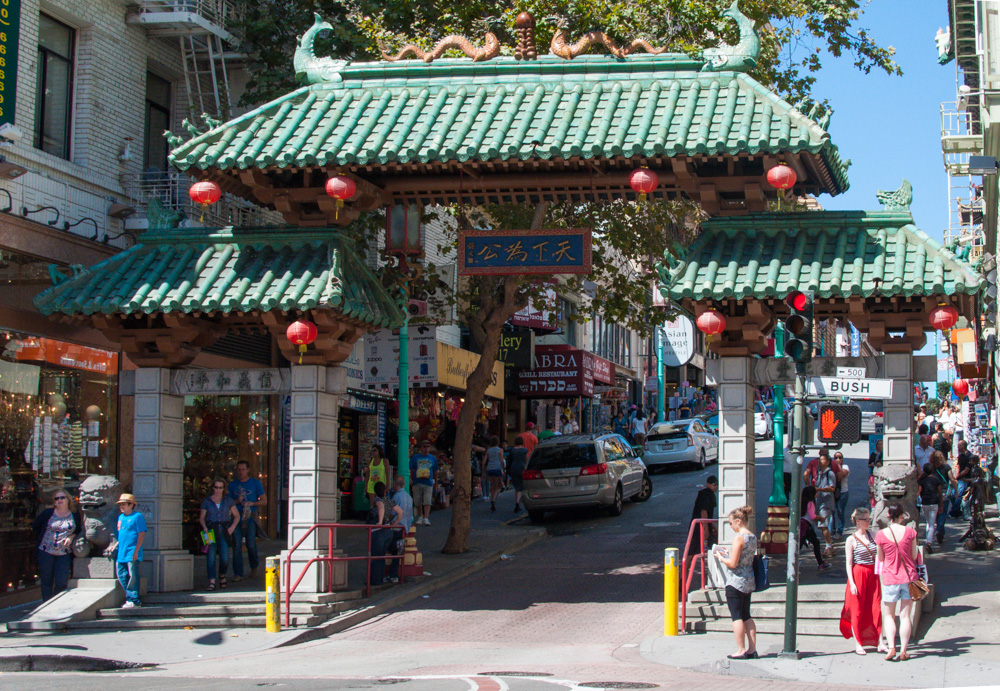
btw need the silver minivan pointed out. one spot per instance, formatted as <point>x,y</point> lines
<point>584,470</point>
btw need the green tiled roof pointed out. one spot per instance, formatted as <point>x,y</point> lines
<point>835,254</point>
<point>225,271</point>
<point>596,107</point>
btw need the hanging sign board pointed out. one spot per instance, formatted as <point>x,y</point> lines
<point>560,251</point>
<point>10,30</point>
<point>678,341</point>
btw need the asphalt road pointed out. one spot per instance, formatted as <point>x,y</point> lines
<point>567,612</point>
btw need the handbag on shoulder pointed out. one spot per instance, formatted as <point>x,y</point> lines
<point>760,577</point>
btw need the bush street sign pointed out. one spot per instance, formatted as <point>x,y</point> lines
<point>854,388</point>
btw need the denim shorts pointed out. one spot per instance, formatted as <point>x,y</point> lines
<point>895,592</point>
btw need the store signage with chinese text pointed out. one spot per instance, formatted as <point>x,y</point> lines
<point>559,251</point>
<point>235,382</point>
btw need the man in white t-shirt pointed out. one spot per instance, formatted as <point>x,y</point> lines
<point>922,452</point>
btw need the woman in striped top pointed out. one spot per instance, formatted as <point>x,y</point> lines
<point>861,617</point>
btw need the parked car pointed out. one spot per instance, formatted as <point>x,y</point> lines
<point>762,423</point>
<point>871,414</point>
<point>584,470</point>
<point>681,441</point>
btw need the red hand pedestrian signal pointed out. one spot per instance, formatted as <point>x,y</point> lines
<point>839,423</point>
<point>828,423</point>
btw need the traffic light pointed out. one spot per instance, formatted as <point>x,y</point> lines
<point>799,326</point>
<point>839,423</point>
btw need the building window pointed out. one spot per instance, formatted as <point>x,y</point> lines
<point>54,95</point>
<point>157,120</point>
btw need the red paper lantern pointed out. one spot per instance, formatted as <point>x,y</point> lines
<point>711,322</point>
<point>960,387</point>
<point>943,317</point>
<point>643,181</point>
<point>340,188</point>
<point>301,333</point>
<point>205,193</point>
<point>781,177</point>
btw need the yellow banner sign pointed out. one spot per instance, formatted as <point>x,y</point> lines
<point>455,365</point>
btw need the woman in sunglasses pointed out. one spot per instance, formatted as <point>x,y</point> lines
<point>56,529</point>
<point>217,510</point>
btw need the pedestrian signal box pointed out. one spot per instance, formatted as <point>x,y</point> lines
<point>839,423</point>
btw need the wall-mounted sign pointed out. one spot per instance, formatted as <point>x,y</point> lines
<point>10,30</point>
<point>517,347</point>
<point>560,371</point>
<point>455,365</point>
<point>561,251</point>
<point>382,358</point>
<point>537,318</point>
<point>234,382</point>
<point>678,341</point>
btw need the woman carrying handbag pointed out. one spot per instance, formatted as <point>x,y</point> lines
<point>897,550</point>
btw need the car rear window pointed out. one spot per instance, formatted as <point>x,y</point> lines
<point>666,432</point>
<point>562,456</point>
<point>869,406</point>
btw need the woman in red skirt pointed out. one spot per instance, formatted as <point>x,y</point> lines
<point>861,618</point>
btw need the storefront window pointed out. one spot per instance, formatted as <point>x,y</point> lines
<point>218,432</point>
<point>58,424</point>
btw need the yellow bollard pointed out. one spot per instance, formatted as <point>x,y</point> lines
<point>671,589</point>
<point>272,581</point>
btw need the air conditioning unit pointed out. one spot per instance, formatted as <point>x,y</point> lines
<point>417,308</point>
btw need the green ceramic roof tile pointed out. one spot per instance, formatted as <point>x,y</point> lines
<point>550,108</point>
<point>835,254</point>
<point>228,271</point>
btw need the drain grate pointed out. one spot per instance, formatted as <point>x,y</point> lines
<point>514,674</point>
<point>618,685</point>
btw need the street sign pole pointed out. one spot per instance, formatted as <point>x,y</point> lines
<point>403,431</point>
<point>661,395</point>
<point>778,497</point>
<point>794,512</point>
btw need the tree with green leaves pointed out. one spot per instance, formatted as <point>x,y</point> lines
<point>628,237</point>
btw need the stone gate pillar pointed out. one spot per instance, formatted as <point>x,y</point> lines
<point>737,450</point>
<point>897,480</point>
<point>313,493</point>
<point>158,478</point>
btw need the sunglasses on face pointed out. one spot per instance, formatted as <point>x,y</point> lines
<point>61,498</point>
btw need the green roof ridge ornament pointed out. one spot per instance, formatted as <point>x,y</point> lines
<point>740,57</point>
<point>310,69</point>
<point>897,200</point>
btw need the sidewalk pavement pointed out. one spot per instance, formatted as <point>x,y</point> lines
<point>492,538</point>
<point>955,644</point>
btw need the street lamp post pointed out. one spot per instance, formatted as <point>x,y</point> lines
<point>660,393</point>
<point>778,497</point>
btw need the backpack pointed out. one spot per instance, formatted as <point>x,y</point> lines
<point>761,581</point>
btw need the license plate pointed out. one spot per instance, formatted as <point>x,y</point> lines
<point>561,481</point>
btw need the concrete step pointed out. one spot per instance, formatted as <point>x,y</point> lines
<point>812,611</point>
<point>239,598</point>
<point>772,595</point>
<point>236,622</point>
<point>806,627</point>
<point>221,610</point>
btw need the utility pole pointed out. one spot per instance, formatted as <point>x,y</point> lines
<point>661,395</point>
<point>778,497</point>
<point>794,514</point>
<point>403,432</point>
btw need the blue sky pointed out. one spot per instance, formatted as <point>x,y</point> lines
<point>890,127</point>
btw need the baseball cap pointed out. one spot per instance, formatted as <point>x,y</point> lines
<point>530,425</point>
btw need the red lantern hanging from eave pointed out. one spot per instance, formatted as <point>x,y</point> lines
<point>340,187</point>
<point>205,193</point>
<point>782,177</point>
<point>960,387</point>
<point>711,322</point>
<point>943,317</point>
<point>643,181</point>
<point>301,333</point>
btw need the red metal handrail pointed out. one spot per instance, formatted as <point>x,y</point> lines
<point>699,558</point>
<point>330,559</point>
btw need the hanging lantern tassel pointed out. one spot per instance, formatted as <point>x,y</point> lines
<point>302,351</point>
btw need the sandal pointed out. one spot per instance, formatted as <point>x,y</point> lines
<point>904,656</point>
<point>222,582</point>
<point>211,587</point>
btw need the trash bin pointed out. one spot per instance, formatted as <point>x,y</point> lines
<point>359,500</point>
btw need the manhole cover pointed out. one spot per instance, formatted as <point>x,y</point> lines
<point>662,524</point>
<point>514,674</point>
<point>618,685</point>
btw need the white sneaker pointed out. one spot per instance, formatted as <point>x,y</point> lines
<point>128,605</point>
<point>427,521</point>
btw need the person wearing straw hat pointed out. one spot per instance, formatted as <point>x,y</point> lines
<point>128,543</point>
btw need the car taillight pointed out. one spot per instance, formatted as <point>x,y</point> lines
<point>531,475</point>
<point>598,469</point>
<point>690,440</point>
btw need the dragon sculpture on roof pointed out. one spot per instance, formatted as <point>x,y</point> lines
<point>742,56</point>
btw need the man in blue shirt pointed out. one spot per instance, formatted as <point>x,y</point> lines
<point>131,535</point>
<point>423,473</point>
<point>248,493</point>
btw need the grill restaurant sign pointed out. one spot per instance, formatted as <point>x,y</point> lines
<point>678,341</point>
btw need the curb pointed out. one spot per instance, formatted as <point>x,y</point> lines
<point>349,619</point>
<point>66,663</point>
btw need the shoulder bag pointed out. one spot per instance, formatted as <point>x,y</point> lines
<point>918,589</point>
<point>761,580</point>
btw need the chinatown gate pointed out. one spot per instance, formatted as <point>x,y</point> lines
<point>487,129</point>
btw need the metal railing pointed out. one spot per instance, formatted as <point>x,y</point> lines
<point>171,189</point>
<point>687,567</point>
<point>330,560</point>
<point>222,13</point>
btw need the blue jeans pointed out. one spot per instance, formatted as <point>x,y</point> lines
<point>248,530</point>
<point>958,505</point>
<point>941,518</point>
<point>53,572</point>
<point>128,576</point>
<point>380,545</point>
<point>839,519</point>
<point>220,548</point>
